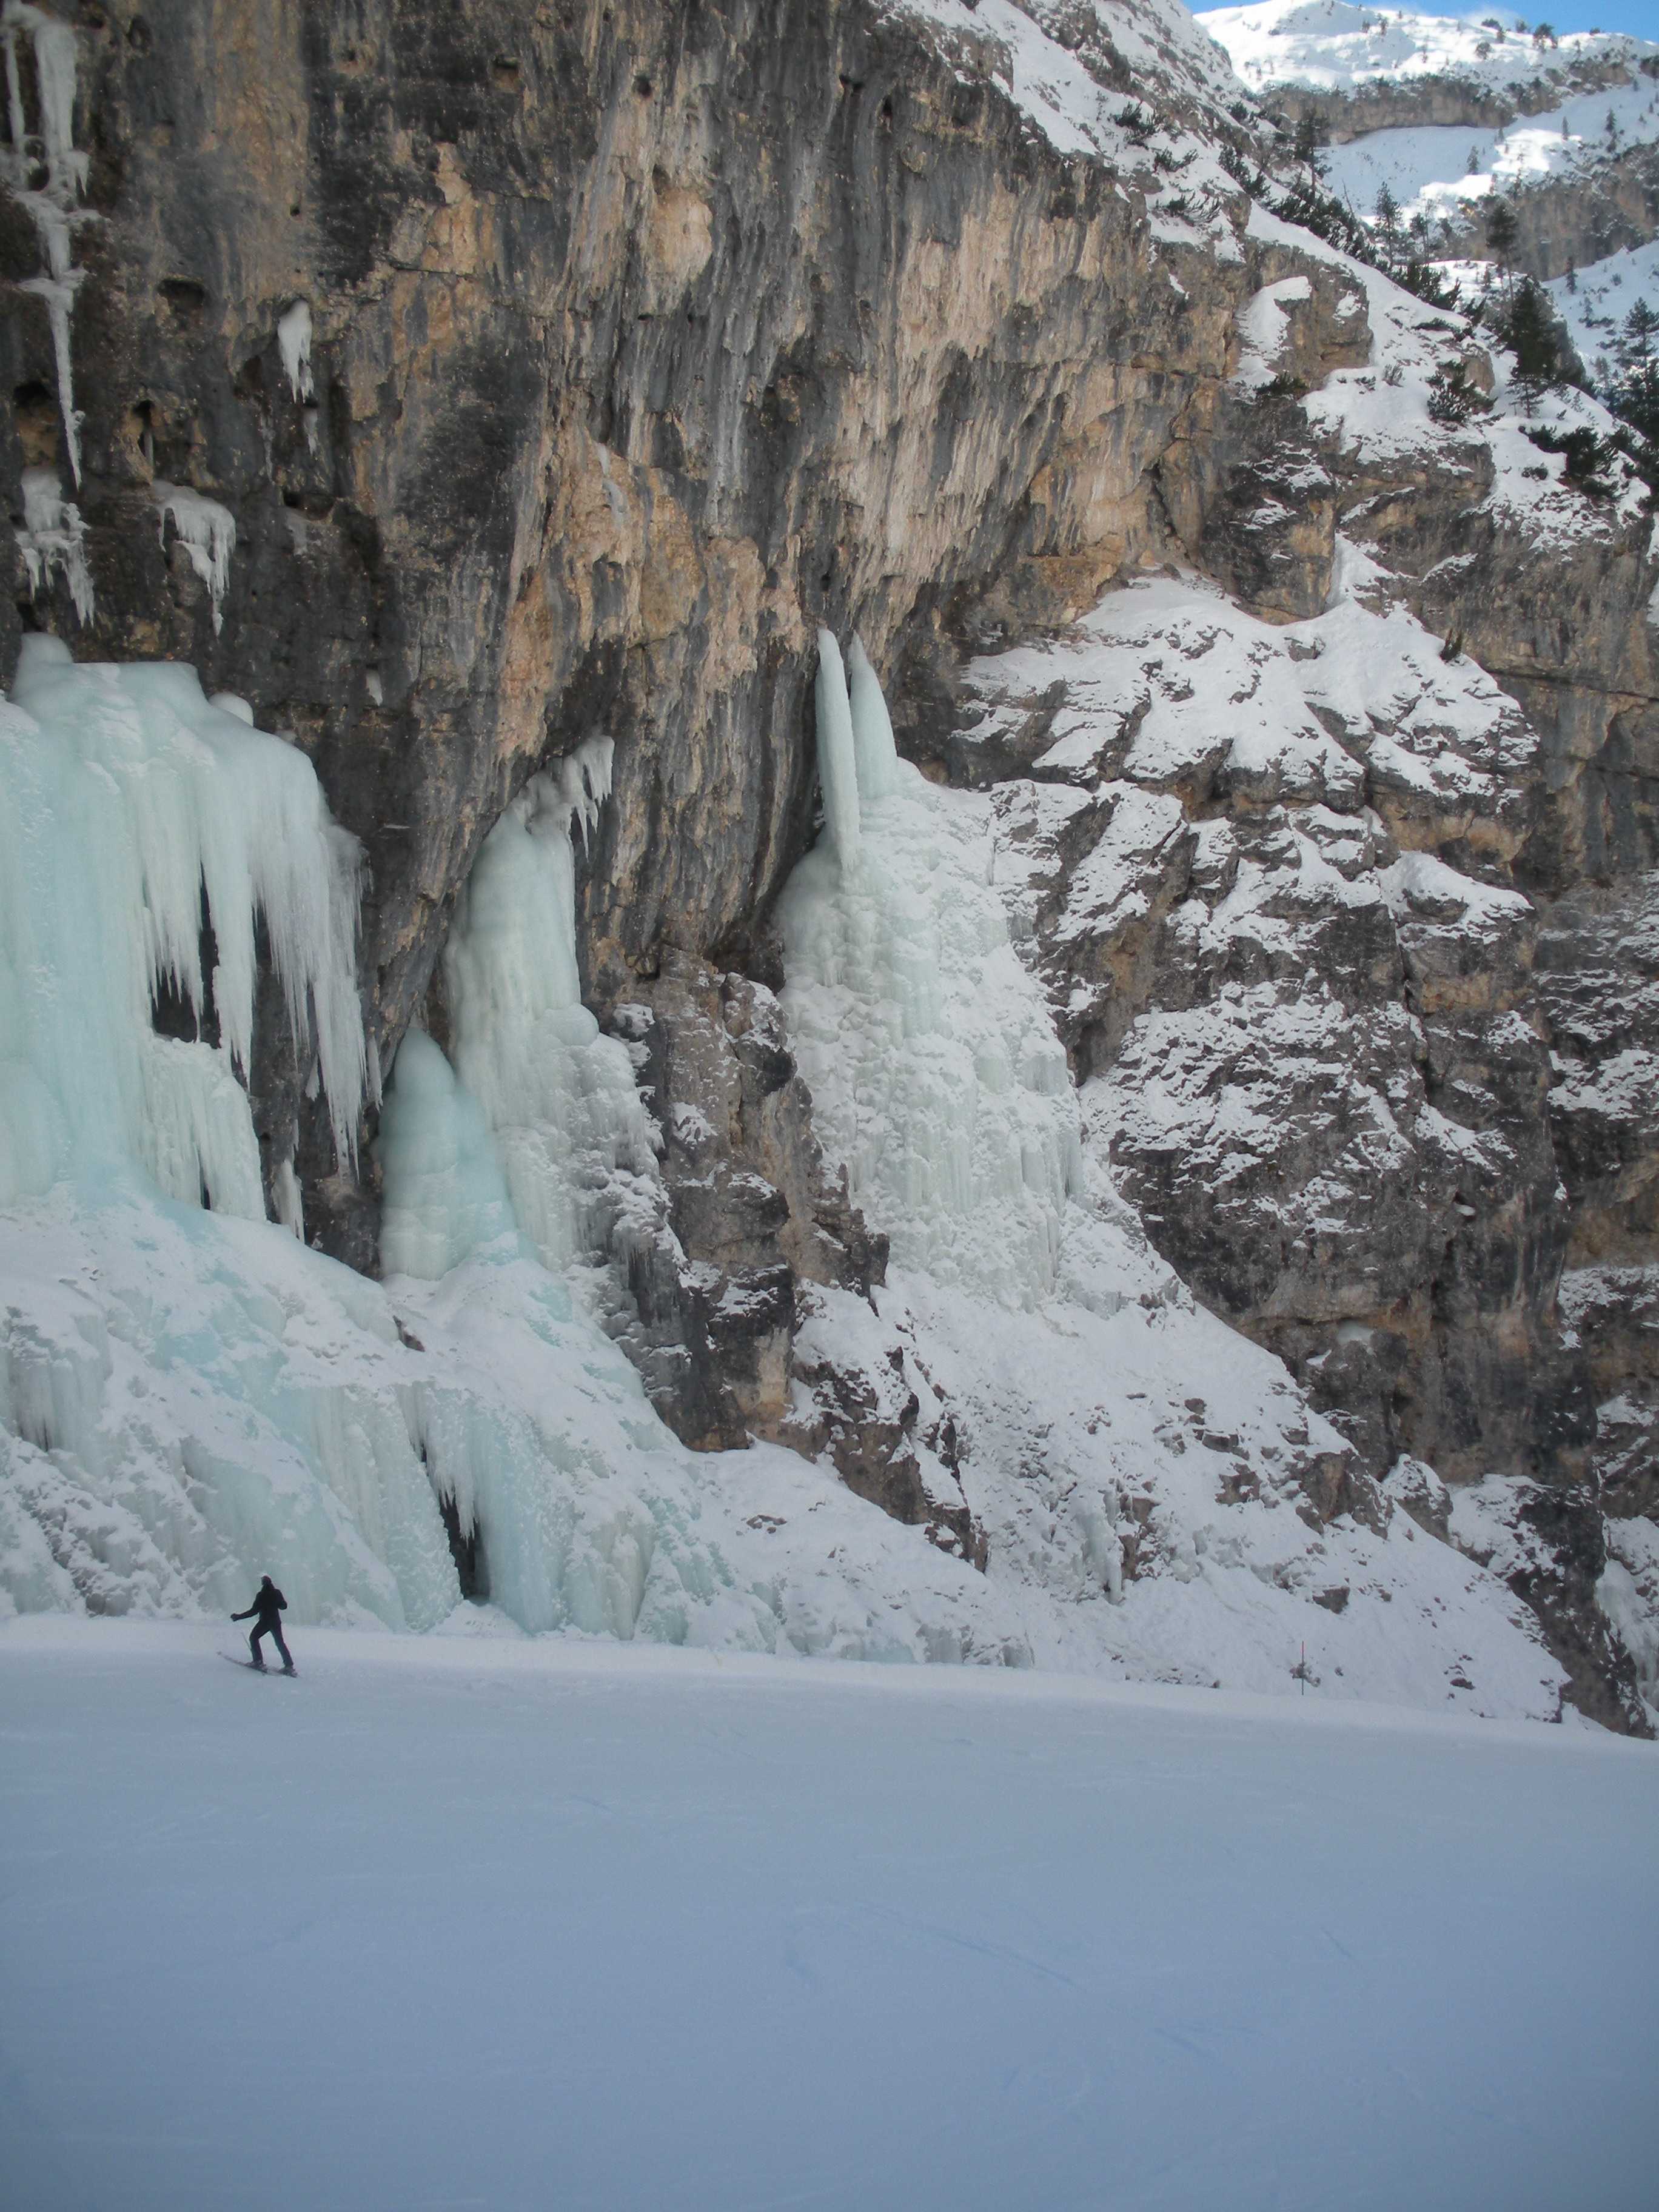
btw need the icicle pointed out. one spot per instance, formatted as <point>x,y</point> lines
<point>9,24</point>
<point>198,1138</point>
<point>58,293</point>
<point>584,781</point>
<point>837,760</point>
<point>293,337</point>
<point>53,540</point>
<point>208,533</point>
<point>873,749</point>
<point>52,208</point>
<point>55,73</point>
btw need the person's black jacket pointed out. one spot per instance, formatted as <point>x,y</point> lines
<point>267,1604</point>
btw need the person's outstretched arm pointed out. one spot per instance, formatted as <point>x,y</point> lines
<point>248,1615</point>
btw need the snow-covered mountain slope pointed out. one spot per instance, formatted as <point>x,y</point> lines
<point>1593,303</point>
<point>1453,172</point>
<point>1329,45</point>
<point>509,1924</point>
<point>1445,117</point>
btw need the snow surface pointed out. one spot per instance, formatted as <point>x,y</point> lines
<point>454,1922</point>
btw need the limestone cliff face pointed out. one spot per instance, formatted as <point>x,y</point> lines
<point>644,338</point>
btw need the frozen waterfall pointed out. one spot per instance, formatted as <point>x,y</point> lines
<point>557,1098</point>
<point>132,810</point>
<point>184,1395</point>
<point>190,1396</point>
<point>937,1078</point>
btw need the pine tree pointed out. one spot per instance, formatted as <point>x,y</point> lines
<point>1387,222</point>
<point>1635,396</point>
<point>1501,229</point>
<point>1527,328</point>
<point>1309,138</point>
<point>1639,338</point>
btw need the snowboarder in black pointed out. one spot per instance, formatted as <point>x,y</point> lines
<point>268,1605</point>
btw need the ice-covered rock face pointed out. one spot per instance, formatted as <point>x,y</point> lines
<point>189,1396</point>
<point>187,1400</point>
<point>1038,1340</point>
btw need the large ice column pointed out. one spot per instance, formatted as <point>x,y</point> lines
<point>187,1399</point>
<point>937,1078</point>
<point>126,801</point>
<point>445,1195</point>
<point>558,1098</point>
<point>574,1496</point>
<point>874,753</point>
<point>542,1448</point>
<point>837,753</point>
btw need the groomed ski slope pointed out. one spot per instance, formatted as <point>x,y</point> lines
<point>458,1923</point>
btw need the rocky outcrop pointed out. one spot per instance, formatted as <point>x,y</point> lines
<point>750,1205</point>
<point>1575,220</point>
<point>1448,100</point>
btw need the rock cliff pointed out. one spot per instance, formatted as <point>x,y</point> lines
<point>457,386</point>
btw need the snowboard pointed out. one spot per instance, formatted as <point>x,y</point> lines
<point>281,1673</point>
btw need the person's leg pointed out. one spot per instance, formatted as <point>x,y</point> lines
<point>276,1631</point>
<point>253,1644</point>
